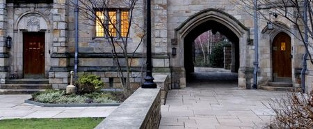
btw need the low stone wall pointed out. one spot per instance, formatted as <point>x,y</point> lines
<point>142,110</point>
<point>163,81</point>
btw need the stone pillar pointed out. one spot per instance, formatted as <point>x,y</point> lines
<point>59,73</point>
<point>3,50</point>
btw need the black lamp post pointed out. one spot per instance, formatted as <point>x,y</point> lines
<point>149,79</point>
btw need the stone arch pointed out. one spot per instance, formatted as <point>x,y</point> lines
<point>236,31</point>
<point>278,27</point>
<point>211,14</point>
<point>29,21</point>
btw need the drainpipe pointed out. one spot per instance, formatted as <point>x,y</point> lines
<point>76,39</point>
<point>256,45</point>
<point>304,63</point>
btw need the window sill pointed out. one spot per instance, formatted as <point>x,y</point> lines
<point>108,39</point>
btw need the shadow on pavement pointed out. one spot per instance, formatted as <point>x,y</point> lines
<point>211,76</point>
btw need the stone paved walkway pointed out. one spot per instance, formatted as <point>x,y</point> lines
<point>217,105</point>
<point>13,106</point>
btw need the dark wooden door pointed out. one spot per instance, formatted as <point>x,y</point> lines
<point>34,54</point>
<point>282,57</point>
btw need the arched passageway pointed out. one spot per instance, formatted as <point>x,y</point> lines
<point>214,26</point>
<point>216,21</point>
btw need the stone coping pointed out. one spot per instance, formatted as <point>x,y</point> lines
<point>70,105</point>
<point>141,110</point>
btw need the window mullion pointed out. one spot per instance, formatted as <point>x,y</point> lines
<point>106,20</point>
<point>118,28</point>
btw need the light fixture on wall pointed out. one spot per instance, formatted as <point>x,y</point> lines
<point>8,42</point>
<point>174,51</point>
<point>270,25</point>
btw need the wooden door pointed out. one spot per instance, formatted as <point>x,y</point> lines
<point>282,57</point>
<point>34,54</point>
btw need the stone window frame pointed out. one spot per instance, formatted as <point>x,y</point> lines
<point>118,33</point>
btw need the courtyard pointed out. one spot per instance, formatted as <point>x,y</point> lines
<point>218,104</point>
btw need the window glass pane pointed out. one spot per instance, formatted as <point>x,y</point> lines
<point>283,46</point>
<point>124,23</point>
<point>112,23</point>
<point>99,22</point>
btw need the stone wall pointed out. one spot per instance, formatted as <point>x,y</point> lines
<point>3,50</point>
<point>164,82</point>
<point>142,110</point>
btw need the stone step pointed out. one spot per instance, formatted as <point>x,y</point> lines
<point>25,86</point>
<point>19,91</point>
<point>280,84</point>
<point>276,88</point>
<point>27,81</point>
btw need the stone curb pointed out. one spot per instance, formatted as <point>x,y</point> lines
<point>70,105</point>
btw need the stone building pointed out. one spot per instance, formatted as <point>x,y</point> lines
<point>42,33</point>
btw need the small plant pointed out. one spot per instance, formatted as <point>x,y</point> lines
<point>49,96</point>
<point>59,97</point>
<point>88,83</point>
<point>293,112</point>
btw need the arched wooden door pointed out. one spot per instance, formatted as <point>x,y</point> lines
<point>34,54</point>
<point>282,57</point>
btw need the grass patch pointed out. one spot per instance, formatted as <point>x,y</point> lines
<point>66,123</point>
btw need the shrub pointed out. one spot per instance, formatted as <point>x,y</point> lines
<point>59,96</point>
<point>293,112</point>
<point>88,83</point>
<point>72,99</point>
<point>103,100</point>
<point>217,55</point>
<point>48,96</point>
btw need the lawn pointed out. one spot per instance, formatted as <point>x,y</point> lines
<point>66,123</point>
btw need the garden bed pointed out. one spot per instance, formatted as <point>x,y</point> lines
<point>58,98</point>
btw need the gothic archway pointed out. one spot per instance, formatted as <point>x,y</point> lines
<point>215,20</point>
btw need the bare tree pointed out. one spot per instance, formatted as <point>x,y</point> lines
<point>202,42</point>
<point>294,111</point>
<point>116,30</point>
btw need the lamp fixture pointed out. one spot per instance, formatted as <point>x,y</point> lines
<point>8,42</point>
<point>270,25</point>
<point>174,51</point>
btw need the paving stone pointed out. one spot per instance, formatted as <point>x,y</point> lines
<point>42,114</point>
<point>208,105</point>
<point>13,106</point>
<point>171,127</point>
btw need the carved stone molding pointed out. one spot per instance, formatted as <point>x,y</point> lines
<point>33,24</point>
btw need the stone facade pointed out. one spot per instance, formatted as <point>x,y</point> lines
<point>174,22</point>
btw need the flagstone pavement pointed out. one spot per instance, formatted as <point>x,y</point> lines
<point>217,105</point>
<point>13,106</point>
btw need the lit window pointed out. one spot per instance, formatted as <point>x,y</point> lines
<point>116,21</point>
<point>99,22</point>
<point>124,23</point>
<point>112,23</point>
<point>283,46</point>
